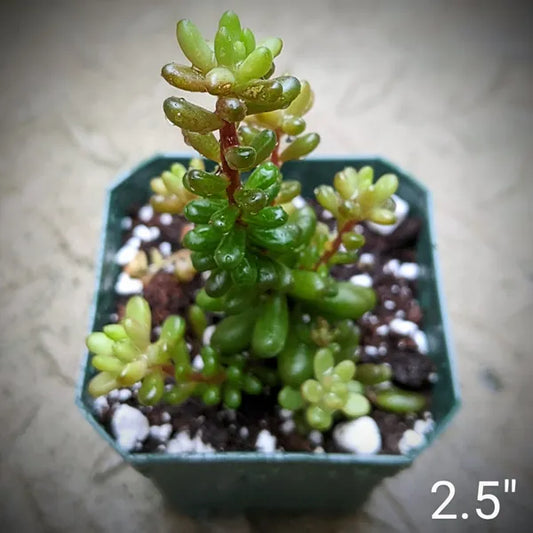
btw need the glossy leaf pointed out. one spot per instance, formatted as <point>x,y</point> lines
<point>194,46</point>
<point>189,116</point>
<point>300,147</point>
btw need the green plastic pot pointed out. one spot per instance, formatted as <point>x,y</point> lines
<point>230,481</point>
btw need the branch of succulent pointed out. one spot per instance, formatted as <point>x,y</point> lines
<point>354,198</point>
<point>285,322</point>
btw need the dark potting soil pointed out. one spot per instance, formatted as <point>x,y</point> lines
<point>388,262</point>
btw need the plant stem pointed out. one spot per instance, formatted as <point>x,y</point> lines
<point>228,138</point>
<point>275,153</point>
<point>335,245</point>
<point>196,377</point>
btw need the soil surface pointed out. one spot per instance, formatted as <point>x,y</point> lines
<point>388,262</point>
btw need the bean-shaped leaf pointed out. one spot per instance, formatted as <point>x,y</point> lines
<point>268,217</point>
<point>202,238</point>
<point>290,189</point>
<point>274,44</point>
<point>225,218</point>
<point>303,102</point>
<point>256,65</point>
<point>251,201</point>
<point>231,109</point>
<point>280,239</point>
<point>248,39</point>
<point>220,80</point>
<point>194,46</point>
<point>205,183</point>
<point>263,143</point>
<point>218,283</point>
<point>230,251</point>
<point>231,22</point>
<point>261,91</point>
<point>190,116</point>
<point>246,274</point>
<point>240,157</point>
<point>300,147</point>
<point>201,210</point>
<point>263,177</point>
<point>207,145</point>
<point>224,48</point>
<point>203,261</point>
<point>185,78</point>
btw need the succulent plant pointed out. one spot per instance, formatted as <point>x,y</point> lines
<point>285,322</point>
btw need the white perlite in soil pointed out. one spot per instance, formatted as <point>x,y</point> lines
<point>129,426</point>
<point>266,442</point>
<point>413,439</point>
<point>360,436</point>
<point>182,443</point>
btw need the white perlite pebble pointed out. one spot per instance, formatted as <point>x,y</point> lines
<point>371,350</point>
<point>411,440</point>
<point>128,285</point>
<point>366,260</point>
<point>423,427</point>
<point>128,252</point>
<point>165,248</point>
<point>363,280</point>
<point>408,271</point>
<point>100,405</point>
<point>142,232</point>
<point>145,233</point>
<point>165,417</point>
<point>208,333</point>
<point>125,223</point>
<point>382,330</point>
<point>327,215</point>
<point>146,213</point>
<point>124,395</point>
<point>198,362</point>
<point>129,426</point>
<point>244,432</point>
<point>154,233</point>
<point>401,212</point>
<point>389,304</point>
<point>360,436</point>
<point>266,442</point>
<point>299,202</point>
<point>403,327</point>
<point>182,443</point>
<point>315,437</point>
<point>410,329</point>
<point>161,433</point>
<point>287,426</point>
<point>285,413</point>
<point>165,219</point>
<point>421,341</point>
<point>392,267</point>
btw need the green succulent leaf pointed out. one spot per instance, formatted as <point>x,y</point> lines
<point>190,117</point>
<point>194,46</point>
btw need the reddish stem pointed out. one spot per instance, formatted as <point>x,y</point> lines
<point>335,245</point>
<point>228,138</point>
<point>275,153</point>
<point>200,378</point>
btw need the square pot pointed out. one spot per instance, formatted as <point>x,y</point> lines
<point>236,481</point>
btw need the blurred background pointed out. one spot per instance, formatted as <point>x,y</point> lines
<point>444,89</point>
